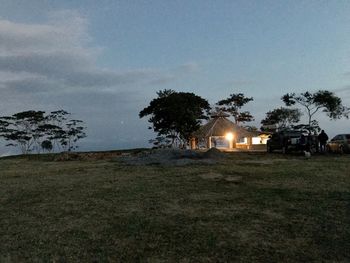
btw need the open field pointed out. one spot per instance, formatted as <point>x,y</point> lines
<point>248,207</point>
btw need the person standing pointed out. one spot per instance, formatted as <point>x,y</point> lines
<point>323,138</point>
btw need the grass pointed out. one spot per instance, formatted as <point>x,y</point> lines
<point>281,209</point>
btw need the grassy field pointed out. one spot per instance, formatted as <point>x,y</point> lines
<point>249,207</point>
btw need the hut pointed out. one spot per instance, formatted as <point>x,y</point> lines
<point>222,133</point>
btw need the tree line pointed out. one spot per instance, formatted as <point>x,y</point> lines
<point>38,131</point>
<point>175,116</point>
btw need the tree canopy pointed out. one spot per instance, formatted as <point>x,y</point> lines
<point>282,117</point>
<point>323,100</point>
<point>176,115</point>
<point>233,105</point>
<point>35,131</point>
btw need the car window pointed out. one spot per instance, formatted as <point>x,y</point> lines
<point>337,138</point>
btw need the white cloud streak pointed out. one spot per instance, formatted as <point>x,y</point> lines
<point>57,55</point>
<point>52,65</point>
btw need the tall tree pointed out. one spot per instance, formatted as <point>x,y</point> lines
<point>56,133</point>
<point>33,130</point>
<point>176,115</point>
<point>323,100</point>
<point>73,133</point>
<point>233,105</point>
<point>282,117</point>
<point>22,130</point>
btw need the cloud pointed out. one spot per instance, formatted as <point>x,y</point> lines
<point>58,55</point>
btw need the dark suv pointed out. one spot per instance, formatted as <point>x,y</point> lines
<point>292,140</point>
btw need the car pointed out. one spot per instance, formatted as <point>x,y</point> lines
<point>339,144</point>
<point>292,140</point>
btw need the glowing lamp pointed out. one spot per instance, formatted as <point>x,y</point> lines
<point>229,136</point>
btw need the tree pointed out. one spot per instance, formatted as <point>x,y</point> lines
<point>161,142</point>
<point>282,117</point>
<point>3,125</point>
<point>251,128</point>
<point>57,132</point>
<point>165,93</point>
<point>74,132</point>
<point>53,133</point>
<point>176,115</point>
<point>47,145</point>
<point>33,130</point>
<point>22,129</point>
<point>233,105</point>
<point>323,100</point>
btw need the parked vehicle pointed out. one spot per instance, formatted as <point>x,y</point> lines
<point>292,140</point>
<point>339,144</point>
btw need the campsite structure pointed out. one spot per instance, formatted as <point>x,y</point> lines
<point>223,134</point>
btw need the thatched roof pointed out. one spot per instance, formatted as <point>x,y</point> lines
<point>219,125</point>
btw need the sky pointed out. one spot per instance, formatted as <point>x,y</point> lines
<point>104,60</point>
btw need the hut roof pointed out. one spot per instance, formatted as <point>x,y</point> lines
<point>219,125</point>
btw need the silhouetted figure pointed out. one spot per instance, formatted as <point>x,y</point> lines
<point>323,138</point>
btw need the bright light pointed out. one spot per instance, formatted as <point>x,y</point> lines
<point>229,136</point>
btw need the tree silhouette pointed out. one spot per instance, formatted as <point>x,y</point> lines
<point>35,131</point>
<point>282,117</point>
<point>323,100</point>
<point>233,105</point>
<point>176,115</point>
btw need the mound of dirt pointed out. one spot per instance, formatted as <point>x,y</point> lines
<point>213,153</point>
<point>175,154</point>
<point>176,157</point>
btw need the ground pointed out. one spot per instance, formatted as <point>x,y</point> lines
<point>245,207</point>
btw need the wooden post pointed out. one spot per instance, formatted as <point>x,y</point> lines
<point>230,144</point>
<point>209,142</point>
<point>249,142</point>
<point>193,143</point>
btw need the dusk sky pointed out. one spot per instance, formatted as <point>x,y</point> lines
<point>105,60</point>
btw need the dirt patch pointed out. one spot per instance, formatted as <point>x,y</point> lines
<point>219,176</point>
<point>263,162</point>
<point>234,178</point>
<point>257,162</point>
<point>211,176</point>
<point>173,157</point>
<point>71,156</point>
